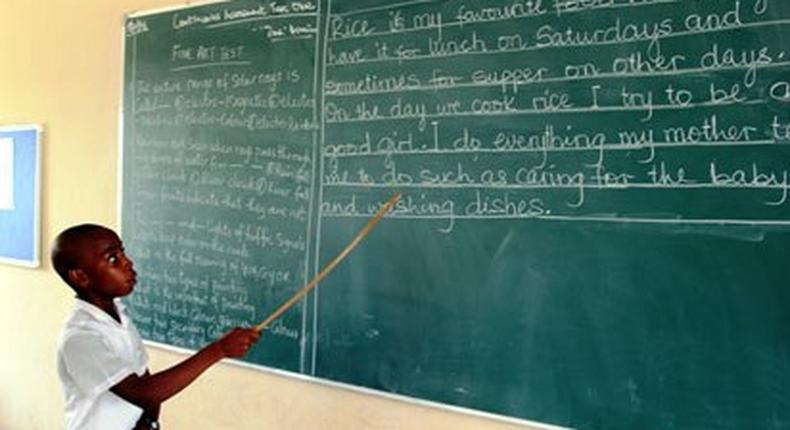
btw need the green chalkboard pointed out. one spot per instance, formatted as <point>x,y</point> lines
<point>594,224</point>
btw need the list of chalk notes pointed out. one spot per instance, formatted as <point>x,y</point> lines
<point>6,174</point>
<point>422,98</point>
<point>395,104</point>
<point>238,195</point>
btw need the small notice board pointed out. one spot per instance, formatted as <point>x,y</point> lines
<point>20,172</point>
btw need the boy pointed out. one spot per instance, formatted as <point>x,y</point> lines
<point>102,365</point>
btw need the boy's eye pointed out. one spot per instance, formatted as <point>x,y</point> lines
<point>112,259</point>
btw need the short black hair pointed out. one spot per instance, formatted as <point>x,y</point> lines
<point>69,246</point>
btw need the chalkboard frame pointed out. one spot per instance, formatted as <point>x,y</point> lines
<point>386,394</point>
<point>300,377</point>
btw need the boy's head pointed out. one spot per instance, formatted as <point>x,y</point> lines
<point>91,260</point>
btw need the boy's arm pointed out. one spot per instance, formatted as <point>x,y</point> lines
<point>148,391</point>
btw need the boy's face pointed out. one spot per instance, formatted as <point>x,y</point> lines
<point>108,273</point>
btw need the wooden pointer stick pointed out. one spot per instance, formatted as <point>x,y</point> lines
<point>328,268</point>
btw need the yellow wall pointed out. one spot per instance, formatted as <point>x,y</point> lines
<point>60,65</point>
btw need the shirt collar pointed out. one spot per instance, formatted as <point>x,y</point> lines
<point>98,314</point>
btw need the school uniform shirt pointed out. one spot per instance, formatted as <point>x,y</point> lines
<point>96,352</point>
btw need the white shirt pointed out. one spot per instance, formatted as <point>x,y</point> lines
<point>96,352</point>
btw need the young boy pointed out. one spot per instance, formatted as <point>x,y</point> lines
<point>101,361</point>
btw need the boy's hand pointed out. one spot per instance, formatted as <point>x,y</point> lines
<point>149,391</point>
<point>237,342</point>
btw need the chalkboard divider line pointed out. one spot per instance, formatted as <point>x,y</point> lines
<point>263,18</point>
<point>214,64</point>
<point>540,48</point>
<point>605,147</point>
<point>332,264</point>
<point>511,84</point>
<point>312,241</point>
<point>600,109</point>
<point>460,23</point>
<point>584,218</point>
<point>321,68</point>
<point>572,186</point>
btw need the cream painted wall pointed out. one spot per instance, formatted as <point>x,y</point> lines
<point>60,65</point>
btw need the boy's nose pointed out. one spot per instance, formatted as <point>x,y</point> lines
<point>128,262</point>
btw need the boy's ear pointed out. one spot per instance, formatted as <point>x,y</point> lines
<point>78,278</point>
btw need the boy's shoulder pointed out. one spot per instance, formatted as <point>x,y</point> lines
<point>85,320</point>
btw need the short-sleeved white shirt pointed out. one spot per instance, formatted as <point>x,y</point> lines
<point>96,352</point>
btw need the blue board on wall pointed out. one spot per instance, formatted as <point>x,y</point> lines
<point>19,195</point>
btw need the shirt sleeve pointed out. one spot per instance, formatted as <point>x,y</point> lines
<point>93,363</point>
